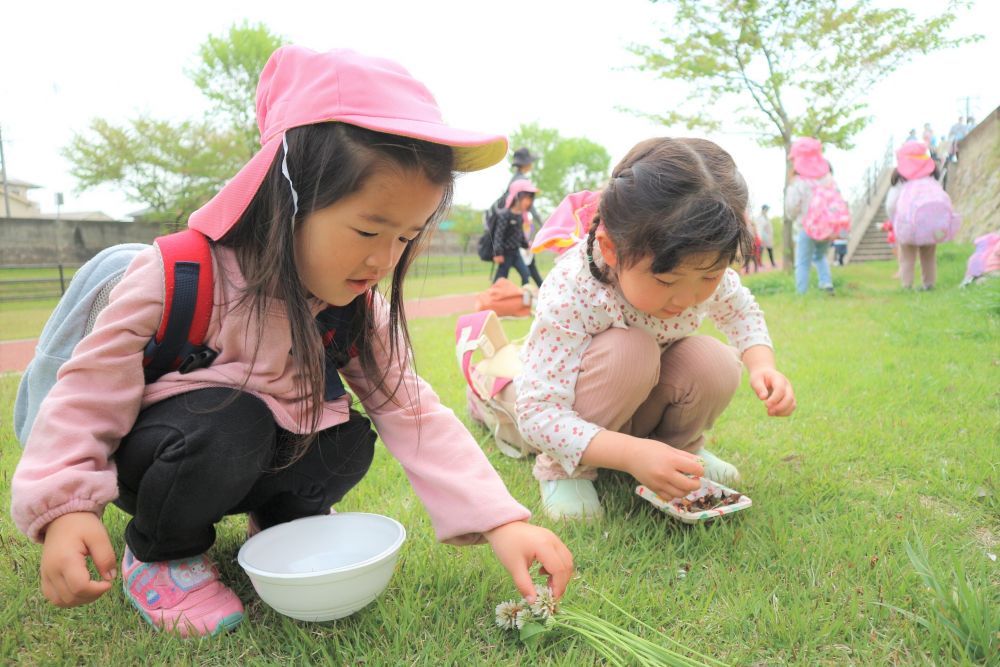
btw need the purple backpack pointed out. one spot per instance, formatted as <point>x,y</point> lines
<point>924,214</point>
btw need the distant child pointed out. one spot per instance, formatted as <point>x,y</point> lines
<point>765,230</point>
<point>810,171</point>
<point>921,213</point>
<point>613,375</point>
<point>840,249</point>
<point>507,228</point>
<point>355,170</point>
<point>523,162</point>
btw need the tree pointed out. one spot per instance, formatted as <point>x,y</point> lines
<point>565,165</point>
<point>799,67</point>
<point>468,224</point>
<point>228,73</point>
<point>174,168</point>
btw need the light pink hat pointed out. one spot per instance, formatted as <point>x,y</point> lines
<point>569,223</point>
<point>914,161</point>
<point>301,87</point>
<point>516,188</point>
<point>807,158</point>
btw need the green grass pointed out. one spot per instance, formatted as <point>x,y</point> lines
<point>894,443</point>
<point>430,276</point>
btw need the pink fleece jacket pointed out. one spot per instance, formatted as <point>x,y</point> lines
<point>68,462</point>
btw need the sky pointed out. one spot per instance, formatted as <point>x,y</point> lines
<point>491,65</point>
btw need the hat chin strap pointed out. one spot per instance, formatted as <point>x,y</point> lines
<point>284,172</point>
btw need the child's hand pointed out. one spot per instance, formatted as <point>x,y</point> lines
<point>498,259</point>
<point>69,539</point>
<point>669,472</point>
<point>519,544</point>
<point>775,390</point>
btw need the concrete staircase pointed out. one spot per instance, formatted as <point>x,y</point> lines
<point>867,242</point>
<point>873,244</point>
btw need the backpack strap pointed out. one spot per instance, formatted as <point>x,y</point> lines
<point>334,325</point>
<point>481,332</point>
<point>187,306</point>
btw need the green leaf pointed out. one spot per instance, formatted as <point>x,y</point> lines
<point>531,633</point>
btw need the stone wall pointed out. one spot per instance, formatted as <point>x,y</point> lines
<point>45,241</point>
<point>974,181</point>
<point>35,240</point>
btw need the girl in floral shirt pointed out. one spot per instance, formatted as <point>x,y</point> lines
<point>613,376</point>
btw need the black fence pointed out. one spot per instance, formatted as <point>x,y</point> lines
<point>49,281</point>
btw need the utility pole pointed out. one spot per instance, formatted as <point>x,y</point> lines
<point>3,173</point>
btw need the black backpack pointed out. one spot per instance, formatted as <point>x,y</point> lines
<point>485,245</point>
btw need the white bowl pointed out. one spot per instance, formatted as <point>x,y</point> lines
<point>323,567</point>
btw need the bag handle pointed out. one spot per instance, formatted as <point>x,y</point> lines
<point>472,333</point>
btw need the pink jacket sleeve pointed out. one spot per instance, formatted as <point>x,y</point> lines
<point>66,465</point>
<point>461,490</point>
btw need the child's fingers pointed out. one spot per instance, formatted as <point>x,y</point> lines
<point>691,466</point>
<point>760,386</point>
<point>75,587</point>
<point>522,580</point>
<point>785,407</point>
<point>557,563</point>
<point>102,553</point>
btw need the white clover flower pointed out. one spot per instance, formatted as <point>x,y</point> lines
<point>507,614</point>
<point>525,615</point>
<point>545,604</point>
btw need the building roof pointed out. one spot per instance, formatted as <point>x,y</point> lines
<point>24,184</point>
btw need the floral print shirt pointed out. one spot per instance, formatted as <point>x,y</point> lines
<point>573,306</point>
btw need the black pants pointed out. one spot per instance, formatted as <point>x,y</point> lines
<point>194,458</point>
<point>512,259</point>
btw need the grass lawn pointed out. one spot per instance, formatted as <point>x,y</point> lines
<point>25,319</point>
<point>896,441</point>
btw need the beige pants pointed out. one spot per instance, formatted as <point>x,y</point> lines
<point>626,384</point>
<point>928,264</point>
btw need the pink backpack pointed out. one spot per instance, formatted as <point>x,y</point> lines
<point>827,215</point>
<point>924,215</point>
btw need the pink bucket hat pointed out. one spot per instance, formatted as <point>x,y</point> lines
<point>914,161</point>
<point>516,188</point>
<point>301,87</point>
<point>807,158</point>
<point>569,223</point>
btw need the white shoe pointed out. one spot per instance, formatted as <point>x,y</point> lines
<point>570,499</point>
<point>718,470</point>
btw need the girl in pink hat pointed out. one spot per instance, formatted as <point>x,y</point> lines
<point>356,168</point>
<point>920,211</point>
<point>810,171</point>
<point>614,373</point>
<point>507,228</point>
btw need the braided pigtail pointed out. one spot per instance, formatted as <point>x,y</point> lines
<point>598,272</point>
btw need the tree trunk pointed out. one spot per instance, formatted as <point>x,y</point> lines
<point>788,245</point>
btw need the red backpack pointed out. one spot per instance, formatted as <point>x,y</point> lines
<point>828,214</point>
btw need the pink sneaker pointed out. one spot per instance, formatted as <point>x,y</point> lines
<point>183,596</point>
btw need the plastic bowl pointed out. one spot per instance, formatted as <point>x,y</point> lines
<point>323,567</point>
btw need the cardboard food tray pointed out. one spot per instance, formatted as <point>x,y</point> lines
<point>674,508</point>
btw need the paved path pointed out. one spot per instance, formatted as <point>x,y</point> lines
<point>15,354</point>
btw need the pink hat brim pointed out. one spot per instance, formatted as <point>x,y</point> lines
<point>913,160</point>
<point>222,211</point>
<point>473,151</point>
<point>811,166</point>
